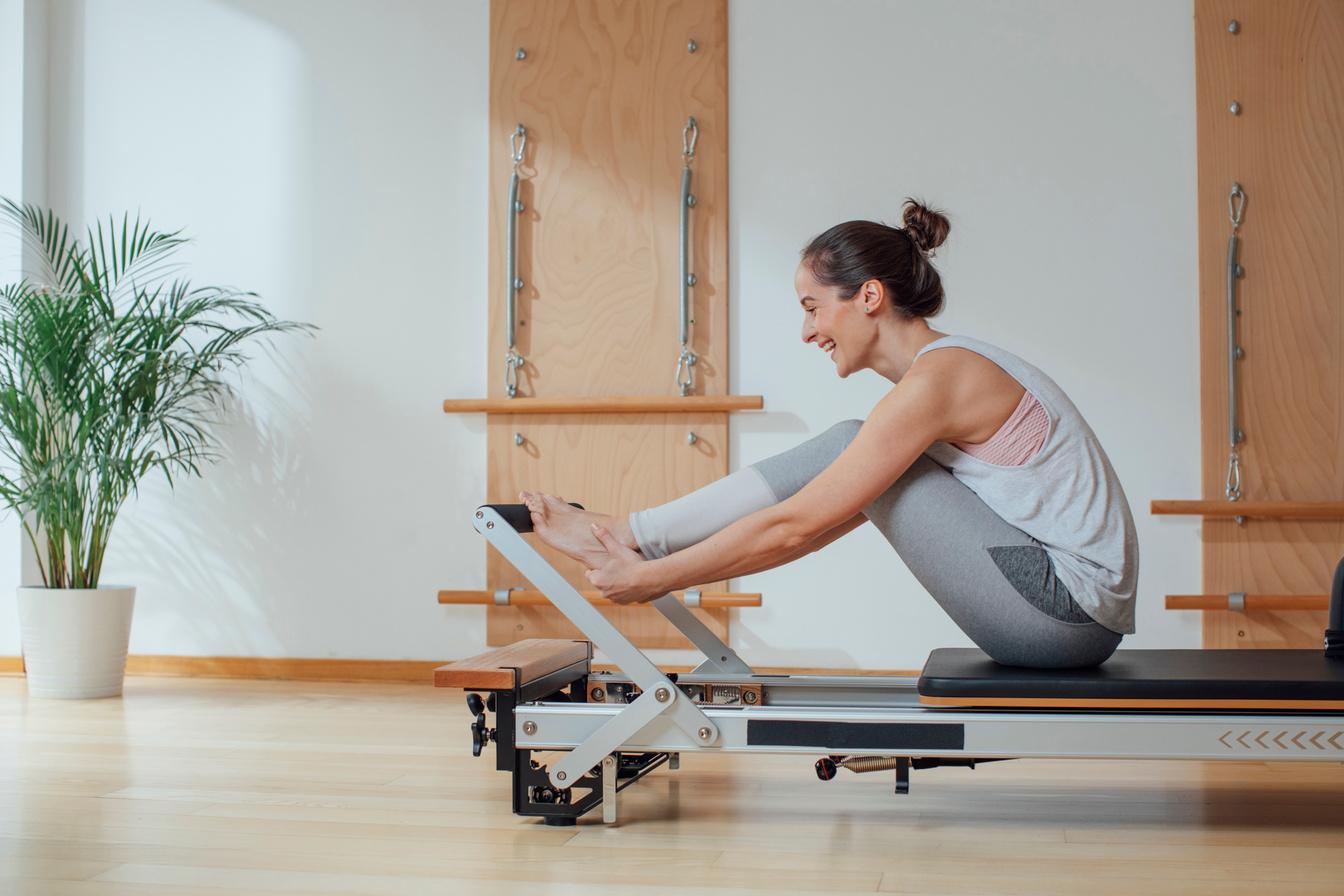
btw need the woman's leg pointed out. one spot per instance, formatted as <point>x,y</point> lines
<point>691,519</point>
<point>994,580</point>
<point>659,531</point>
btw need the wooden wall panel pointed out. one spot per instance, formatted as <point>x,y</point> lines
<point>614,463</point>
<point>604,92</point>
<point>644,626</point>
<point>1285,68</point>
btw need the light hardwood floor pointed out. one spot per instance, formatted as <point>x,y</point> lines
<point>192,786</point>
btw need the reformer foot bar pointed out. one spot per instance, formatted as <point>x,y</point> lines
<point>609,729</point>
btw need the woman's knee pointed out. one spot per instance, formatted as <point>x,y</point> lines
<point>788,472</point>
<point>837,438</point>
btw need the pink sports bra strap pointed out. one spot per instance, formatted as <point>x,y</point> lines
<point>1018,440</point>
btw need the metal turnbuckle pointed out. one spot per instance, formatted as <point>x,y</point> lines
<point>689,135</point>
<point>1236,208</point>
<point>513,361</point>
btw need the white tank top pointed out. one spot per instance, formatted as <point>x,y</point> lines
<point>1067,496</point>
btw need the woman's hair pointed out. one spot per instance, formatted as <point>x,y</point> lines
<point>850,254</point>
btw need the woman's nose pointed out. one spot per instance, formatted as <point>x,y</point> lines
<point>809,332</point>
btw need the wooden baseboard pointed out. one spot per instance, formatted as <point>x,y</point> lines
<point>297,669</point>
<point>278,668</point>
<point>284,668</point>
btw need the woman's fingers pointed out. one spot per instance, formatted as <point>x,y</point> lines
<point>611,578</point>
<point>608,542</point>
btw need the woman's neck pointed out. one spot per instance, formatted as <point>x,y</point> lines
<point>900,342</point>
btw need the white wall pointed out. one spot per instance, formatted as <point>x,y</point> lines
<point>1060,136</point>
<point>332,156</point>
<point>11,185</point>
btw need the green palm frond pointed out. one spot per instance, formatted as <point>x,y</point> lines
<point>109,370</point>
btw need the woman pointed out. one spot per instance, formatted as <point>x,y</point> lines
<point>975,467</point>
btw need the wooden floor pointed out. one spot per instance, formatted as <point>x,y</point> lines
<point>190,786</point>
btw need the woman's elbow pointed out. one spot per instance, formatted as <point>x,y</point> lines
<point>794,536</point>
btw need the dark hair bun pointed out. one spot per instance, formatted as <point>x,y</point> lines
<point>927,227</point>
<point>850,254</point>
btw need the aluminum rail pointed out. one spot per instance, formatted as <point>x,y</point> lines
<point>983,734</point>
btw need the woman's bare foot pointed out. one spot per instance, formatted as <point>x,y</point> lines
<point>569,529</point>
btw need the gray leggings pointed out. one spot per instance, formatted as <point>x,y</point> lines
<point>994,580</point>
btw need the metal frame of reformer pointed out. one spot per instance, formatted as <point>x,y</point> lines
<point>611,744</point>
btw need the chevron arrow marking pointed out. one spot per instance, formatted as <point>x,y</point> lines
<point>1261,739</point>
<point>1316,741</point>
<point>1279,740</point>
<point>1337,736</point>
<point>1223,740</point>
<point>1298,740</point>
<point>1242,740</point>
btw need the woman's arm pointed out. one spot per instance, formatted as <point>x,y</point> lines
<point>905,422</point>
<point>817,543</point>
<point>624,560</point>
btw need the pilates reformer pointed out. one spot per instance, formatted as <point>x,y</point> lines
<point>612,728</point>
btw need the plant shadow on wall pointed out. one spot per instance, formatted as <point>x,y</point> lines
<point>112,367</point>
<point>219,549</point>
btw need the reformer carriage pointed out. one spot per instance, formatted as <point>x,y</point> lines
<point>610,729</point>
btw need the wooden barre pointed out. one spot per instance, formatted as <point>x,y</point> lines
<point>1298,510</point>
<point>709,600</point>
<point>1250,602</point>
<point>610,405</point>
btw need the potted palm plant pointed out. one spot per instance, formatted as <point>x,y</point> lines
<point>111,368</point>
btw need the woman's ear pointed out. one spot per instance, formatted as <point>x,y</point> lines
<point>873,295</point>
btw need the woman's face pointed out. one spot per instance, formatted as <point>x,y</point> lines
<point>837,326</point>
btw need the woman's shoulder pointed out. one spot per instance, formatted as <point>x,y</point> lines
<point>975,393</point>
<point>966,344</point>
<point>1024,372</point>
<point>960,362</point>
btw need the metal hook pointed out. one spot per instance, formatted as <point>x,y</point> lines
<point>689,135</point>
<point>1235,208</point>
<point>684,365</point>
<point>1234,478</point>
<point>517,146</point>
<point>512,363</point>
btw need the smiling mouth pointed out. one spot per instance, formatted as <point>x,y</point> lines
<point>828,346</point>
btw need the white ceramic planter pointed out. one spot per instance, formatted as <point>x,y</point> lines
<point>75,640</point>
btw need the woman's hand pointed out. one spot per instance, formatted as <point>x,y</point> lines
<point>617,577</point>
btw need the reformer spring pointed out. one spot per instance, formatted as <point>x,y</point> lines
<point>862,764</point>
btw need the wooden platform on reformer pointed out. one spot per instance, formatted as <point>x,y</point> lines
<point>1142,679</point>
<point>513,666</point>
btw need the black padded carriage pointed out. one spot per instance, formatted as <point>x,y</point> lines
<point>1184,679</point>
